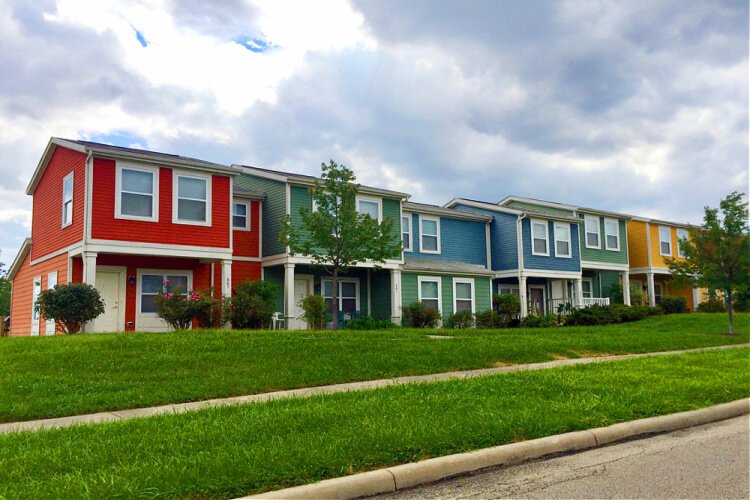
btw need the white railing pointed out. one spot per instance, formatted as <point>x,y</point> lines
<point>595,301</point>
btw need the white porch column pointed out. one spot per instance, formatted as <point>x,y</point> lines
<point>226,278</point>
<point>396,296</point>
<point>579,292</point>
<point>289,306</point>
<point>89,268</point>
<point>650,285</point>
<point>625,288</point>
<point>522,295</point>
<point>696,299</point>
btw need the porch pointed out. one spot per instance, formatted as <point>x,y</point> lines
<point>551,295</point>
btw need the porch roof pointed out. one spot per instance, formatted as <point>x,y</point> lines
<point>447,266</point>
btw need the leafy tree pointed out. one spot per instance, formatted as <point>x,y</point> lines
<point>4,291</point>
<point>71,305</point>
<point>717,254</point>
<point>335,235</point>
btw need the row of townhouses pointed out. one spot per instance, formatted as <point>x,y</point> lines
<point>125,220</point>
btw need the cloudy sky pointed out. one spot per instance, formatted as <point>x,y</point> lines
<point>637,106</point>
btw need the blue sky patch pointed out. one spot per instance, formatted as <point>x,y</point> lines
<point>119,138</point>
<point>141,39</point>
<point>253,44</point>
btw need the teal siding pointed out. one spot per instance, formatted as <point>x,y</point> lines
<point>275,275</point>
<point>274,209</point>
<point>604,255</point>
<point>381,293</point>
<point>608,279</point>
<point>410,293</point>
<point>392,211</point>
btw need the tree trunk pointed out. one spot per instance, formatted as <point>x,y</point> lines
<point>335,299</point>
<point>730,310</point>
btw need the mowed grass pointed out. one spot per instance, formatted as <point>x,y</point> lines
<point>67,375</point>
<point>231,451</point>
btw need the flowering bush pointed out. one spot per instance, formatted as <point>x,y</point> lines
<point>175,306</point>
<point>252,306</point>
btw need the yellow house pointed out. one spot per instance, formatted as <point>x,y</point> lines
<point>650,241</point>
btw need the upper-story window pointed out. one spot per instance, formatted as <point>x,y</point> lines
<point>192,199</point>
<point>665,241</point>
<point>67,200</point>
<point>562,240</point>
<point>592,232</point>
<point>429,234</point>
<point>241,215</point>
<point>370,206</point>
<point>682,235</point>
<point>539,237</point>
<point>406,232</point>
<point>137,194</point>
<point>612,234</point>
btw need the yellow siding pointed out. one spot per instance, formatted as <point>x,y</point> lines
<point>657,260</point>
<point>637,245</point>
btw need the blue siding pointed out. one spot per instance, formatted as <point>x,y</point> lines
<point>551,263</point>
<point>460,240</point>
<point>502,237</point>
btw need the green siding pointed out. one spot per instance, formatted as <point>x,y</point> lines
<point>275,274</point>
<point>609,278</point>
<point>392,210</point>
<point>540,209</point>
<point>409,292</point>
<point>301,197</point>
<point>381,294</point>
<point>602,254</point>
<point>274,209</point>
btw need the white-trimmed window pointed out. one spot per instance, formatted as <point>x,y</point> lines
<point>657,293</point>
<point>137,195</point>
<point>591,224</point>
<point>373,207</point>
<point>463,295</point>
<point>539,237</point>
<point>562,240</point>
<point>67,200</point>
<point>682,235</point>
<point>241,215</point>
<point>191,199</point>
<point>153,282</point>
<point>587,288</point>
<point>612,234</point>
<point>348,294</point>
<point>430,293</point>
<point>406,232</point>
<point>429,234</point>
<point>665,241</point>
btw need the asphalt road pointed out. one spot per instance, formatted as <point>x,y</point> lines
<point>710,461</point>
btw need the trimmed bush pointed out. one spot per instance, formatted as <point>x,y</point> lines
<point>417,315</point>
<point>538,321</point>
<point>71,305</point>
<point>672,305</point>
<point>712,306</point>
<point>369,323</point>
<point>488,319</point>
<point>508,306</point>
<point>605,315</point>
<point>316,310</point>
<point>252,305</point>
<point>459,321</point>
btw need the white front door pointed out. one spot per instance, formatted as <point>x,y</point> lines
<point>301,290</point>
<point>49,327</point>
<point>109,284</point>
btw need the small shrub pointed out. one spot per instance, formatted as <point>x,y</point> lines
<point>488,319</point>
<point>207,310</point>
<point>460,320</point>
<point>71,305</point>
<point>712,306</point>
<point>508,306</point>
<point>369,323</point>
<point>538,321</point>
<point>605,315</point>
<point>316,310</point>
<point>636,296</point>
<point>673,305</point>
<point>252,305</point>
<point>417,315</point>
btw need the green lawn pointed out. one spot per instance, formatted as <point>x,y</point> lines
<point>67,375</point>
<point>231,451</point>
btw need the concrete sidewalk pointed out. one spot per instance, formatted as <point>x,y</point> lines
<point>113,416</point>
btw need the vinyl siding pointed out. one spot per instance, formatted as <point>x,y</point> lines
<point>392,211</point>
<point>657,260</point>
<point>381,293</point>
<point>21,298</point>
<point>245,243</point>
<point>602,254</point>
<point>540,209</point>
<point>482,294</point>
<point>274,208</point>
<point>275,275</point>
<point>550,263</point>
<point>637,244</point>
<point>502,237</point>
<point>460,240</point>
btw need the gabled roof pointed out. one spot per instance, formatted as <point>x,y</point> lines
<point>309,180</point>
<point>121,153</point>
<point>25,247</point>
<point>410,206</point>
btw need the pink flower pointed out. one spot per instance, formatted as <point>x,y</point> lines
<point>169,295</point>
<point>166,282</point>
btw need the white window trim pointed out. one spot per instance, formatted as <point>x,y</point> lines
<point>323,281</point>
<point>431,279</point>
<point>510,287</point>
<point>473,294</point>
<point>546,235</point>
<point>154,196</point>
<point>164,273</point>
<point>669,240</point>
<point>590,281</point>
<point>617,234</point>
<point>72,197</point>
<point>586,231</point>
<point>176,174</point>
<point>680,252</point>
<point>569,241</point>
<point>248,223</point>
<point>370,199</point>
<point>411,233</point>
<point>423,218</point>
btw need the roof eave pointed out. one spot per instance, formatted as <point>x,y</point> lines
<point>16,265</point>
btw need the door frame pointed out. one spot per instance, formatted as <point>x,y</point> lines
<point>544,296</point>
<point>310,291</point>
<point>122,271</point>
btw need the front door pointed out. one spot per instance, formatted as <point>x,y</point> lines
<point>536,298</point>
<point>301,290</point>
<point>109,285</point>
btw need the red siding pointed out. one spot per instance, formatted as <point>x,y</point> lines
<point>106,227</point>
<point>47,232</point>
<point>245,243</point>
<point>244,271</point>
<point>20,309</point>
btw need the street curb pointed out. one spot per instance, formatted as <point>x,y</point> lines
<point>170,409</point>
<point>427,471</point>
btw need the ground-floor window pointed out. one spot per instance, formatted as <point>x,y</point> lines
<point>153,282</point>
<point>587,289</point>
<point>429,292</point>
<point>657,293</point>
<point>463,294</point>
<point>503,289</point>
<point>348,294</point>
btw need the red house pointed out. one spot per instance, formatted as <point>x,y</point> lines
<point>125,220</point>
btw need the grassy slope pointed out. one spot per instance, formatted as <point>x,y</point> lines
<point>232,451</point>
<point>56,376</point>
